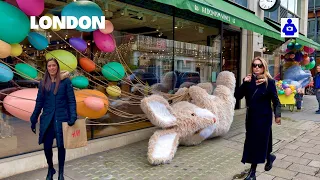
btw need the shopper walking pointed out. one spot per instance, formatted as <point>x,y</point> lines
<point>259,90</point>
<point>57,100</point>
<point>316,81</point>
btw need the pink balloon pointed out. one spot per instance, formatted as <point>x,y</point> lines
<point>19,107</point>
<point>108,27</point>
<point>104,42</point>
<point>31,7</point>
<point>288,91</point>
<point>305,61</point>
<point>308,49</point>
<point>94,103</point>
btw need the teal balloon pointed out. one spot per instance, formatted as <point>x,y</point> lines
<point>83,8</point>
<point>297,46</point>
<point>38,41</point>
<point>290,46</point>
<point>303,67</point>
<point>6,73</point>
<point>26,71</point>
<point>281,91</point>
<point>113,71</point>
<point>80,82</point>
<point>14,24</point>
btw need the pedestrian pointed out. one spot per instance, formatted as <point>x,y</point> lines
<point>316,81</point>
<point>299,98</point>
<point>57,101</point>
<point>259,90</point>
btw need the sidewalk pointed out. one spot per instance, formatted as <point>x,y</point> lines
<point>296,144</point>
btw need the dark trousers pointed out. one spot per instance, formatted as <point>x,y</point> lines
<point>318,97</point>
<point>48,142</point>
<point>298,104</point>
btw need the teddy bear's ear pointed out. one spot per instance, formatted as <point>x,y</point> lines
<point>158,111</point>
<point>162,146</point>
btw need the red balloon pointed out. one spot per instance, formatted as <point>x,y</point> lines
<point>87,64</point>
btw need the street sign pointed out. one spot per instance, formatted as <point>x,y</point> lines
<point>289,27</point>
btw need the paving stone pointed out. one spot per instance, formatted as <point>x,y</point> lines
<point>292,146</point>
<point>311,156</point>
<point>304,140</point>
<point>283,173</point>
<point>291,152</point>
<point>303,169</point>
<point>314,164</point>
<point>303,144</point>
<point>298,160</point>
<point>281,164</point>
<point>279,178</point>
<point>302,176</point>
<point>265,177</point>
<point>315,142</point>
<point>280,156</point>
<point>309,150</point>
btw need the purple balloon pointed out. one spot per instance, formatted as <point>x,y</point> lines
<point>284,86</point>
<point>78,43</point>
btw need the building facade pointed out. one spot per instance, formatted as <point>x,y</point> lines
<point>314,25</point>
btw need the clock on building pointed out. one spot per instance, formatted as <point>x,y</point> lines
<point>269,5</point>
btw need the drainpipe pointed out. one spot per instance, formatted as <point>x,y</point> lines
<point>316,27</point>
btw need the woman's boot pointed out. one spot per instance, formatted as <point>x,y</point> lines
<point>252,173</point>
<point>270,161</point>
<point>51,172</point>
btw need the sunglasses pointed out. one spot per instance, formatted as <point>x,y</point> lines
<point>257,65</point>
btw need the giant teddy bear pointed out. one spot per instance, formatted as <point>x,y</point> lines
<point>189,123</point>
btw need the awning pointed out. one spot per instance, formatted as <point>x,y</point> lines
<point>227,13</point>
<point>303,40</point>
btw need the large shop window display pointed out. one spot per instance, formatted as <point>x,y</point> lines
<point>134,59</point>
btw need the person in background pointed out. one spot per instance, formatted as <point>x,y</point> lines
<point>316,80</point>
<point>299,98</point>
<point>57,101</point>
<point>259,90</point>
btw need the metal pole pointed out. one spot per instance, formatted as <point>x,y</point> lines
<point>173,47</point>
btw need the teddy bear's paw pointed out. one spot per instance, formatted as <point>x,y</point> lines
<point>162,146</point>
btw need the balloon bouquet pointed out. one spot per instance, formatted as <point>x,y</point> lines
<point>297,65</point>
<point>15,27</point>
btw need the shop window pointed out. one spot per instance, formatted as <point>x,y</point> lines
<point>311,25</point>
<point>243,3</point>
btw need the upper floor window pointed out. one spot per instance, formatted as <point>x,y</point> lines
<point>243,3</point>
<point>291,5</point>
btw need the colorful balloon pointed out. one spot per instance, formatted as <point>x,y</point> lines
<point>87,64</point>
<point>31,7</point>
<point>311,59</point>
<point>52,28</point>
<point>104,42</point>
<point>38,41</point>
<point>290,46</point>
<point>15,25</point>
<point>287,91</point>
<point>80,82</point>
<point>21,103</point>
<point>298,56</point>
<point>83,110</point>
<point>297,46</point>
<point>16,50</point>
<point>6,73</point>
<point>5,48</point>
<point>305,61</point>
<point>281,92</point>
<point>108,27</point>
<point>26,71</point>
<point>113,71</point>
<point>94,103</point>
<point>82,8</point>
<point>114,91</point>
<point>67,61</point>
<point>78,43</point>
<point>311,65</point>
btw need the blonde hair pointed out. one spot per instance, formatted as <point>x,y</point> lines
<point>266,73</point>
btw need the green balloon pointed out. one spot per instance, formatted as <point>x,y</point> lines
<point>290,46</point>
<point>15,25</point>
<point>80,82</point>
<point>281,91</point>
<point>26,71</point>
<point>303,67</point>
<point>113,71</point>
<point>311,65</point>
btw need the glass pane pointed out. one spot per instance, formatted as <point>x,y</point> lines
<point>291,5</point>
<point>284,3</point>
<point>274,15</point>
<point>242,2</point>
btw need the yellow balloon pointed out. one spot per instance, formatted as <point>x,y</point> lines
<point>51,17</point>
<point>66,60</point>
<point>5,49</point>
<point>114,91</point>
<point>16,50</point>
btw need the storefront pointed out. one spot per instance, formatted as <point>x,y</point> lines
<point>195,39</point>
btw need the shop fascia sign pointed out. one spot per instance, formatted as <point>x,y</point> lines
<point>213,13</point>
<point>68,22</point>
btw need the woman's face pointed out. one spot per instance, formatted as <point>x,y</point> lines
<point>52,68</point>
<point>257,67</point>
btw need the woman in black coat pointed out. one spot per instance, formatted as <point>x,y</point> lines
<point>57,100</point>
<point>259,89</point>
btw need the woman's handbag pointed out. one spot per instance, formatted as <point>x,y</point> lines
<point>75,136</point>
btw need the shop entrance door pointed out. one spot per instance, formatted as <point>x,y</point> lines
<point>231,54</point>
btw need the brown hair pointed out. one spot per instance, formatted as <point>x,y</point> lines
<point>46,82</point>
<point>266,73</point>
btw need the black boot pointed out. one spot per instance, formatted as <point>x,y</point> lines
<point>269,163</point>
<point>51,172</point>
<point>252,173</point>
<point>61,177</point>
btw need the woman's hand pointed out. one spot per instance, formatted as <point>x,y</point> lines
<point>260,81</point>
<point>248,78</point>
<point>278,120</point>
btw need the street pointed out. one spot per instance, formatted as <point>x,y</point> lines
<point>296,145</point>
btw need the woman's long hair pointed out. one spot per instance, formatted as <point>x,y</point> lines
<point>46,82</point>
<point>266,73</point>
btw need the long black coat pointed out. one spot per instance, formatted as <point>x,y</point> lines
<point>258,141</point>
<point>58,108</point>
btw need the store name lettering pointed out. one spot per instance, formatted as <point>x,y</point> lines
<point>214,13</point>
<point>68,22</point>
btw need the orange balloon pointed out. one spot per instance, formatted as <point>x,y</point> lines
<point>108,27</point>
<point>87,64</point>
<point>5,49</point>
<point>84,110</point>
